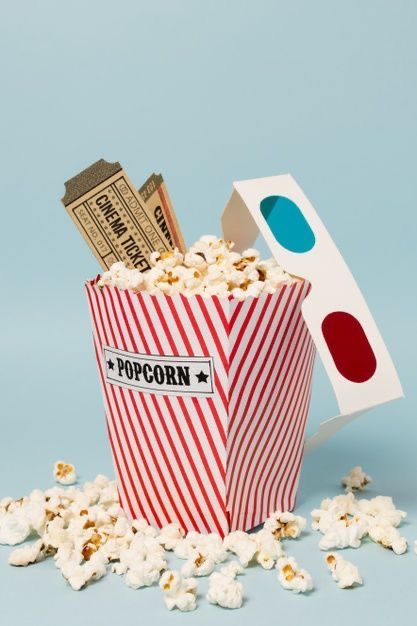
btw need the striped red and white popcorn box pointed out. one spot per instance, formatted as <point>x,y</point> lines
<point>206,401</point>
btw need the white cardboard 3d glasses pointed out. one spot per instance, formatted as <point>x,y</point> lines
<point>353,352</point>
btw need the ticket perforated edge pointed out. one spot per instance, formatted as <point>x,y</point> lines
<point>113,217</point>
<point>155,194</point>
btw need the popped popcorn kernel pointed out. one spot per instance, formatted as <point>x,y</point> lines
<point>178,592</point>
<point>344,573</point>
<point>356,479</point>
<point>200,563</point>
<point>284,525</point>
<point>27,555</point>
<point>388,537</point>
<point>224,590</point>
<point>64,473</point>
<point>292,577</point>
<point>170,535</point>
<point>242,544</point>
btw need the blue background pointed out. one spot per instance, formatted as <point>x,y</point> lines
<point>207,93</point>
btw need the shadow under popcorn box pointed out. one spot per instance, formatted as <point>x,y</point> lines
<point>206,402</point>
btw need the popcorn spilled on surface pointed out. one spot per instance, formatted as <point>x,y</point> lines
<point>344,573</point>
<point>345,521</point>
<point>64,473</point>
<point>356,480</point>
<point>292,577</point>
<point>209,268</point>
<point>224,589</point>
<point>179,592</point>
<point>87,534</point>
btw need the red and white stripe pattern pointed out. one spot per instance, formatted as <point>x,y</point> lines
<point>211,463</point>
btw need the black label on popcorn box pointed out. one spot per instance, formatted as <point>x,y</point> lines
<point>166,375</point>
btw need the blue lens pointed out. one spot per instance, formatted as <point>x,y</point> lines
<point>288,225</point>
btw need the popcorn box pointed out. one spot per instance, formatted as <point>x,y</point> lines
<point>206,402</point>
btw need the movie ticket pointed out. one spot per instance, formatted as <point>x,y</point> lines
<point>155,194</point>
<point>114,219</point>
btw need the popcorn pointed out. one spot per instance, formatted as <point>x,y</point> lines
<point>179,592</point>
<point>211,543</point>
<point>142,527</point>
<point>345,521</point>
<point>14,528</point>
<point>210,268</point>
<point>144,574</point>
<point>389,537</point>
<point>241,544</point>
<point>340,523</point>
<point>343,572</point>
<point>170,535</point>
<point>79,576</point>
<point>333,510</point>
<point>345,533</point>
<point>223,589</point>
<point>292,577</point>
<point>269,549</point>
<point>142,561</point>
<point>87,533</point>
<point>27,555</point>
<point>18,518</point>
<point>200,563</point>
<point>285,524</point>
<point>64,473</point>
<point>356,479</point>
<point>381,508</point>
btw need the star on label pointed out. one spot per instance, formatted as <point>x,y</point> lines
<point>110,364</point>
<point>202,377</point>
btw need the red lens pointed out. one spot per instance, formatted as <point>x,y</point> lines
<point>349,346</point>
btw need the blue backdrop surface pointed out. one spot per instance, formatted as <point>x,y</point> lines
<point>207,93</point>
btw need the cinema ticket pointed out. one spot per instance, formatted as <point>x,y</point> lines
<point>113,217</point>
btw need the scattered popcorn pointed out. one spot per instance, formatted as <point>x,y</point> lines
<point>64,473</point>
<point>142,561</point>
<point>333,510</point>
<point>345,521</point>
<point>144,529</point>
<point>356,480</point>
<point>343,572</point>
<point>345,533</point>
<point>209,268</point>
<point>80,575</point>
<point>269,549</point>
<point>27,555</point>
<point>389,537</point>
<point>199,563</point>
<point>381,509</point>
<point>14,528</point>
<point>170,535</point>
<point>223,589</point>
<point>292,577</point>
<point>242,544</point>
<point>179,592</point>
<point>87,534</point>
<point>18,518</point>
<point>284,525</point>
<point>211,544</point>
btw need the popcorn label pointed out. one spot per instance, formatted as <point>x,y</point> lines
<point>113,218</point>
<point>167,375</point>
<point>155,194</point>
